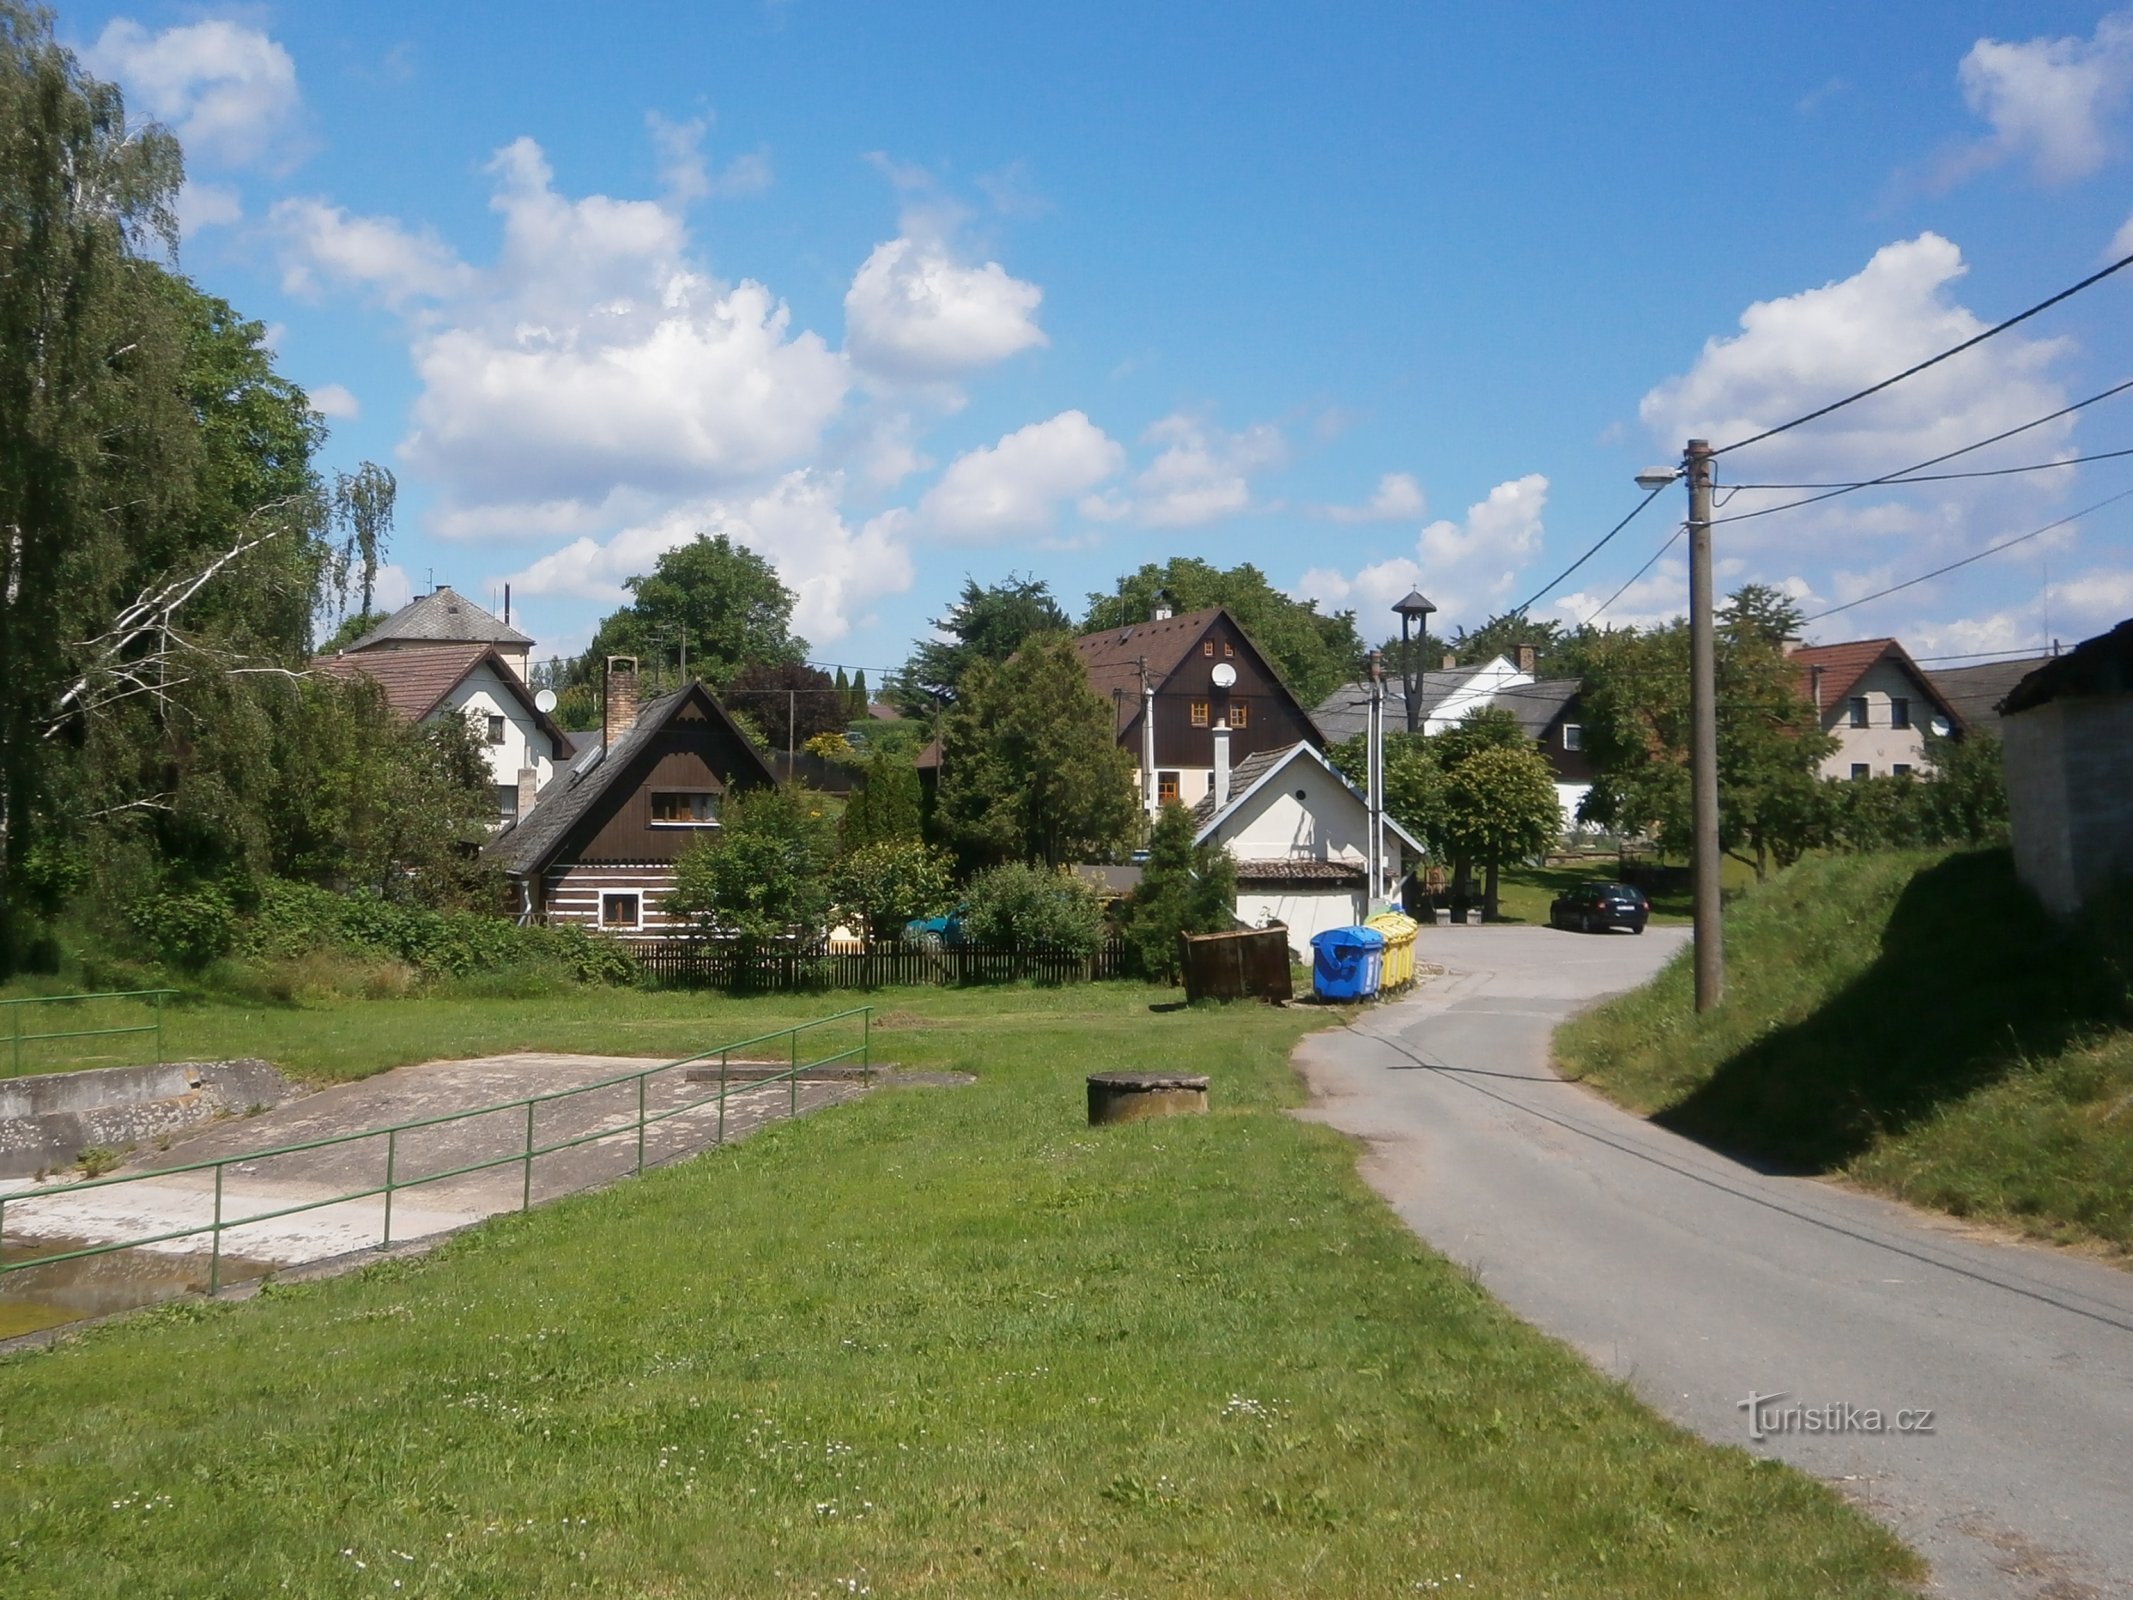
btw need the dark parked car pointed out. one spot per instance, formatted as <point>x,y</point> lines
<point>1596,907</point>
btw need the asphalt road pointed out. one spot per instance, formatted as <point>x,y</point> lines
<point>1701,1281</point>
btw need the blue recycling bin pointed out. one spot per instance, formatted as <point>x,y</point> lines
<point>1347,963</point>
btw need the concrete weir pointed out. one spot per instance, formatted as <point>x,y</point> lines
<point>49,1119</point>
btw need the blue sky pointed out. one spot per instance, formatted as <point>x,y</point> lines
<point>1372,295</point>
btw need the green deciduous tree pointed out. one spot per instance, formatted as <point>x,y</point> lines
<point>1770,742</point>
<point>1031,769</point>
<point>1500,806</point>
<point>887,884</point>
<point>1313,652</point>
<point>721,601</point>
<point>1185,888</point>
<point>764,877</point>
<point>986,624</point>
<point>1414,782</point>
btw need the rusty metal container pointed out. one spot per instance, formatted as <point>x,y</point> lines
<point>1249,963</point>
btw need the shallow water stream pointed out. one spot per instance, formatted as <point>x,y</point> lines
<point>94,1286</point>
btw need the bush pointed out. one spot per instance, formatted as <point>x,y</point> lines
<point>187,928</point>
<point>1032,908</point>
<point>295,921</point>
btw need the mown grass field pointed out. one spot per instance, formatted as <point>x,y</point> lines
<point>938,1342</point>
<point>1914,1021</point>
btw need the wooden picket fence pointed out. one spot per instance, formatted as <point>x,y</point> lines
<point>697,964</point>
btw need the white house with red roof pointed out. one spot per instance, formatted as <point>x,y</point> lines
<point>1872,697</point>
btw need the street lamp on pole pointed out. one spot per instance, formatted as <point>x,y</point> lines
<point>1703,719</point>
<point>1414,609</point>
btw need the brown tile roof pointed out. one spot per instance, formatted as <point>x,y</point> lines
<point>1299,870</point>
<point>1843,665</point>
<point>1113,659</point>
<point>414,680</point>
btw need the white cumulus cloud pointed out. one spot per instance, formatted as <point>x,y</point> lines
<point>1468,567</point>
<point>915,313</point>
<point>837,570</point>
<point>1397,497</point>
<point>335,400</point>
<point>1201,474</point>
<point>227,90</point>
<point>2050,101</point>
<point>1017,486</point>
<point>323,246</point>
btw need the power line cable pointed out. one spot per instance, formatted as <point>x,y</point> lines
<point>1904,474</point>
<point>1914,476</point>
<point>1600,544</point>
<point>1651,561</point>
<point>1989,550</point>
<point>1931,361</point>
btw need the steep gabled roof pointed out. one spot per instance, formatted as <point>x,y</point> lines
<point>417,680</point>
<point>1345,712</point>
<point>1113,658</point>
<point>1843,665</point>
<point>526,848</point>
<point>2099,666</point>
<point>1256,772</point>
<point>443,616</point>
<point>1537,705</point>
<point>1976,692</point>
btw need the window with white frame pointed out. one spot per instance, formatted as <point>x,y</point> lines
<point>684,808</point>
<point>1573,736</point>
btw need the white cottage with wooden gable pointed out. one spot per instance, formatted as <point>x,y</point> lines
<point>1299,833</point>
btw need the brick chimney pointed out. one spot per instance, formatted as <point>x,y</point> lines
<point>1525,658</point>
<point>620,714</point>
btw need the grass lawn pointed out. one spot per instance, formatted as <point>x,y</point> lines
<point>940,1341</point>
<point>1914,1021</point>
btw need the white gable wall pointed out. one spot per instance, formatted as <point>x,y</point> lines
<point>481,695</point>
<point>1328,824</point>
<point>1879,746</point>
<point>1479,690</point>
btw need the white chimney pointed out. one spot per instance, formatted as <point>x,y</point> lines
<point>1162,605</point>
<point>529,789</point>
<point>1222,761</point>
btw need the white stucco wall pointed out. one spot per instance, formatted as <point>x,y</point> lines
<point>1329,823</point>
<point>482,695</point>
<point>1479,690</point>
<point>2070,795</point>
<point>1570,796</point>
<point>1306,912</point>
<point>1879,746</point>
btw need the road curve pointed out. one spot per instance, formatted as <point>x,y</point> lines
<point>1701,1281</point>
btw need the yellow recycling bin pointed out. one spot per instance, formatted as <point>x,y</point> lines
<point>1399,934</point>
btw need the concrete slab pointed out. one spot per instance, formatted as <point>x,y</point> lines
<point>597,1124</point>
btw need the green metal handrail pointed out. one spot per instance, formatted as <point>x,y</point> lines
<point>19,1038</point>
<point>526,1156</point>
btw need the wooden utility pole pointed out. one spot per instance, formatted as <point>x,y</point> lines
<point>1703,733</point>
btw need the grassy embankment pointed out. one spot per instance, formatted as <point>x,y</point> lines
<point>945,1341</point>
<point>1913,1021</point>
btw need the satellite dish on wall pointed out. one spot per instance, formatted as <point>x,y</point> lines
<point>1225,675</point>
<point>1941,727</point>
<point>544,701</point>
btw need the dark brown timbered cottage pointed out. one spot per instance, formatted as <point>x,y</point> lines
<point>600,846</point>
<point>1169,665</point>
